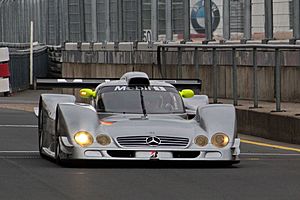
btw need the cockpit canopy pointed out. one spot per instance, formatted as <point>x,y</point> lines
<point>130,99</point>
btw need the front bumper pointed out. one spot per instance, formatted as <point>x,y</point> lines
<point>71,152</point>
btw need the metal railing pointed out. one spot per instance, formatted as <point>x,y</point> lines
<point>276,48</point>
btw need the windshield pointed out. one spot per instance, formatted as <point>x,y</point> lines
<point>123,99</point>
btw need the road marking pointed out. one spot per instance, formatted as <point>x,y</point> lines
<point>19,155</point>
<point>19,152</point>
<point>18,126</point>
<point>270,145</point>
<point>269,154</point>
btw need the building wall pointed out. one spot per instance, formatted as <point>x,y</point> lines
<point>281,19</point>
<point>58,21</point>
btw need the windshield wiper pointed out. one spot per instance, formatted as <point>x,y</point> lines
<point>143,104</point>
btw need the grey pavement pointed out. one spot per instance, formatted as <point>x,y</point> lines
<point>24,97</point>
<point>24,100</point>
<point>273,174</point>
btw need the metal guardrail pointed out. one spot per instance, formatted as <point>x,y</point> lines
<point>161,60</point>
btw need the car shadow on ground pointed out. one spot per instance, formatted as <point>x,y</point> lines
<point>151,164</point>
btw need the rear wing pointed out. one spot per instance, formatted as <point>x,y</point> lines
<point>44,83</point>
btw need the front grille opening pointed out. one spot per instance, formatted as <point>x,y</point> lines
<point>141,141</point>
<point>121,154</point>
<point>186,154</point>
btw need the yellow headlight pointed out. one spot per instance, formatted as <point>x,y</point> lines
<point>201,140</point>
<point>220,140</point>
<point>83,138</point>
<point>103,139</point>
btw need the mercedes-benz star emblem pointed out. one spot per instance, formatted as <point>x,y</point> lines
<point>153,141</point>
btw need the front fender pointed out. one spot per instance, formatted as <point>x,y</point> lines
<point>215,118</point>
<point>48,102</point>
<point>72,118</point>
<point>195,102</point>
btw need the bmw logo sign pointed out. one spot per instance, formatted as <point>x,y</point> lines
<point>198,17</point>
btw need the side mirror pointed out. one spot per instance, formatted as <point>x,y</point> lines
<point>187,93</point>
<point>87,93</point>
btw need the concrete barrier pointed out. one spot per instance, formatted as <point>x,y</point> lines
<point>290,82</point>
<point>268,125</point>
<point>119,57</point>
<point>4,70</point>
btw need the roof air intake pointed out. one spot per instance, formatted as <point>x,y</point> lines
<point>136,78</point>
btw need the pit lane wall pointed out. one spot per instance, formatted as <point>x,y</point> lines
<point>92,60</point>
<point>275,126</point>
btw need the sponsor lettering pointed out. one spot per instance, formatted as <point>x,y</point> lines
<point>120,88</point>
<point>145,88</point>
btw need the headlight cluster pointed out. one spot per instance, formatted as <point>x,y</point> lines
<point>85,139</point>
<point>219,140</point>
<point>201,140</point>
<point>103,139</point>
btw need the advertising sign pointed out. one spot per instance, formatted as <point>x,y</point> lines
<point>198,16</point>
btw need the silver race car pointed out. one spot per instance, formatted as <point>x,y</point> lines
<point>135,118</point>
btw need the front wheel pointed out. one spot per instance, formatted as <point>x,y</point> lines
<point>41,141</point>
<point>58,159</point>
<point>40,130</point>
<point>41,151</point>
<point>57,152</point>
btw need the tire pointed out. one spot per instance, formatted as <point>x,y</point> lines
<point>41,133</point>
<point>57,144</point>
<point>58,160</point>
<point>40,144</point>
<point>57,153</point>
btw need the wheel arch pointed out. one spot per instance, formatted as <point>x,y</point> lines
<point>72,118</point>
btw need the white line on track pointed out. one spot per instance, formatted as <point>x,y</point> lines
<point>18,126</point>
<point>269,154</point>
<point>19,152</point>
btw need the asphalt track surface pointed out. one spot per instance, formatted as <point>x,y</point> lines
<point>264,173</point>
